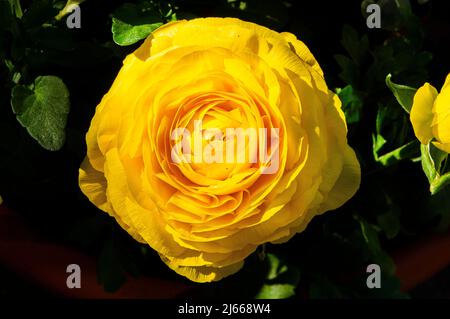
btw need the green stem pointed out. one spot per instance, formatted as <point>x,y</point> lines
<point>17,8</point>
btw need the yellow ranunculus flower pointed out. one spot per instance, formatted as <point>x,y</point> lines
<point>205,217</point>
<point>430,115</point>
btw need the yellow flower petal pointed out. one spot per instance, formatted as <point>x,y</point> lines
<point>421,112</point>
<point>204,274</point>
<point>441,111</point>
<point>346,185</point>
<point>93,185</point>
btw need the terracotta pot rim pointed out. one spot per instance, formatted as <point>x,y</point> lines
<point>415,263</point>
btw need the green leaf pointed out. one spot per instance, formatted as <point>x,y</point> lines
<point>406,151</point>
<point>428,164</point>
<point>404,94</point>
<point>16,77</point>
<point>131,23</point>
<point>438,157</point>
<point>351,103</point>
<point>42,109</point>
<point>282,279</point>
<point>378,141</point>
<point>439,183</point>
<point>432,164</point>
<point>276,291</point>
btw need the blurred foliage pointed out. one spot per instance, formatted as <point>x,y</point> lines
<point>328,260</point>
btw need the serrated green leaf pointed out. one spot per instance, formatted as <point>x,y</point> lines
<point>131,23</point>
<point>282,279</point>
<point>43,110</point>
<point>355,46</point>
<point>404,94</point>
